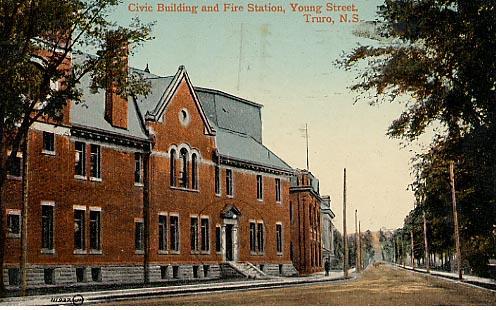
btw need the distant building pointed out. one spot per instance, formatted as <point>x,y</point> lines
<point>305,220</point>
<point>327,230</point>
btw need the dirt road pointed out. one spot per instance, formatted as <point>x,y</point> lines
<point>378,285</point>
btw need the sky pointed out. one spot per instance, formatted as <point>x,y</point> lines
<point>286,64</point>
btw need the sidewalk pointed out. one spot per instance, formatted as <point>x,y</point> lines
<point>95,297</point>
<point>485,282</point>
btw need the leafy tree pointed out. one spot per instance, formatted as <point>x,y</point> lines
<point>437,57</point>
<point>37,38</point>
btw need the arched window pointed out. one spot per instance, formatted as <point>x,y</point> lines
<point>173,156</point>
<point>184,177</point>
<point>194,171</point>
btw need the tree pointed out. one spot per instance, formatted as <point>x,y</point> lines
<point>437,57</point>
<point>37,37</point>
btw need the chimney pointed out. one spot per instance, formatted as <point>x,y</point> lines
<point>116,104</point>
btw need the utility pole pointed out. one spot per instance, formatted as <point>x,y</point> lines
<point>359,245</point>
<point>307,149</point>
<point>455,220</point>
<point>346,250</point>
<point>24,219</point>
<point>356,235</point>
<point>412,251</point>
<point>426,246</point>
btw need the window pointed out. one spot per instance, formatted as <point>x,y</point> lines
<point>173,181</point>
<point>164,272</point>
<point>259,187</point>
<point>277,183</point>
<point>194,234</point>
<point>291,213</point>
<point>217,180</point>
<point>279,238</point>
<point>194,171</point>
<point>95,161</point>
<point>253,236</point>
<point>184,177</point>
<point>229,182</point>
<point>48,143</point>
<point>49,276</point>
<point>138,169</point>
<point>79,234</point>
<point>95,230</point>
<point>260,237</point>
<point>218,239</point>
<point>15,168</point>
<point>139,235</point>
<point>80,159</point>
<point>14,223</point>
<point>205,236</point>
<point>48,227</point>
<point>174,233</point>
<point>162,233</point>
<point>14,276</point>
<point>96,274</point>
<point>80,274</point>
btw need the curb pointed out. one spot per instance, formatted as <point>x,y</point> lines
<point>485,286</point>
<point>96,298</point>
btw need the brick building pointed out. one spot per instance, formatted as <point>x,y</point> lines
<point>305,206</point>
<point>175,185</point>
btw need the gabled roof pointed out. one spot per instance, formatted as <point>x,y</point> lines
<point>162,91</point>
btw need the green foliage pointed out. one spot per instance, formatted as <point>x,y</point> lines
<point>438,58</point>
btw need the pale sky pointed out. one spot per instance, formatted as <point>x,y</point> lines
<point>285,64</point>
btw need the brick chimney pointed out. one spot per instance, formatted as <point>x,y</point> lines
<point>116,106</point>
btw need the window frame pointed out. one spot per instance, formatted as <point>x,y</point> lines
<point>229,183</point>
<point>47,231</point>
<point>194,234</point>
<point>205,235</point>
<point>253,237</point>
<point>163,235</point>
<point>79,210</point>
<point>45,150</point>
<point>95,162</point>
<point>279,238</point>
<point>174,234</point>
<point>98,233</point>
<point>80,171</point>
<point>139,235</point>
<point>194,171</point>
<point>173,169</point>
<point>184,172</point>
<point>138,169</point>
<point>18,163</point>
<point>277,189</point>
<point>218,239</point>
<point>261,238</point>
<point>11,213</point>
<point>260,187</point>
<point>217,181</point>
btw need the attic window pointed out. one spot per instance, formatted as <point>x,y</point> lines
<point>184,117</point>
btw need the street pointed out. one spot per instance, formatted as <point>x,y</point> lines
<point>378,285</point>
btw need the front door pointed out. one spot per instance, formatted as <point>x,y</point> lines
<point>229,243</point>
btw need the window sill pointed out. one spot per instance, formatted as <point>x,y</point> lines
<point>47,152</point>
<point>278,202</point>
<point>139,252</point>
<point>48,251</point>
<point>96,252</point>
<point>93,179</point>
<point>260,200</point>
<point>175,252</point>
<point>79,252</point>
<point>257,253</point>
<point>185,189</point>
<point>14,177</point>
<point>138,184</point>
<point>279,254</point>
<point>218,195</point>
<point>13,236</point>
<point>205,252</point>
<point>80,177</point>
<point>230,196</point>
<point>162,252</point>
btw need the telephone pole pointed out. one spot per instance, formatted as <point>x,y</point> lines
<point>412,251</point>
<point>346,250</point>
<point>426,246</point>
<point>455,220</point>
<point>356,235</point>
<point>359,245</point>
